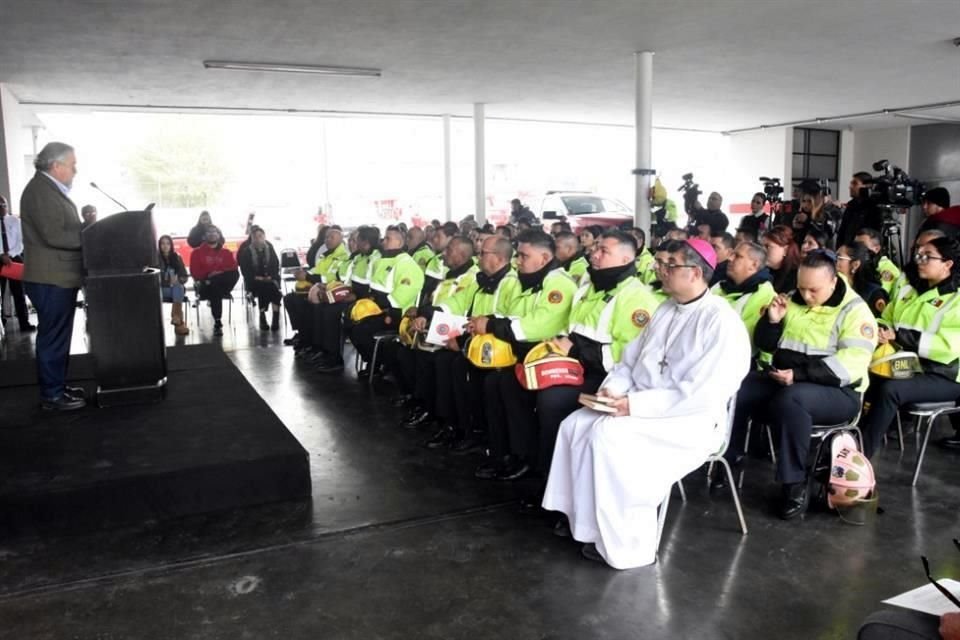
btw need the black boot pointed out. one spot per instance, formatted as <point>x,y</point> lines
<point>275,324</point>
<point>263,322</point>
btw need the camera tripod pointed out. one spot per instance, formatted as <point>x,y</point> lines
<point>891,240</point>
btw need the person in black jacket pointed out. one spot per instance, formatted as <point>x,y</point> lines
<point>858,264</point>
<point>196,236</point>
<point>260,267</point>
<point>859,212</point>
<point>173,277</point>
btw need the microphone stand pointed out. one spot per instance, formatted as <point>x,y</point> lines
<point>122,206</point>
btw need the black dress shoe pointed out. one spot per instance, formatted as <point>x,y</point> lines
<point>76,392</point>
<point>27,328</point>
<point>794,500</point>
<point>264,325</point>
<point>65,402</point>
<point>562,528</point>
<point>515,470</point>
<point>589,551</point>
<point>402,401</point>
<point>441,438</point>
<point>292,342</point>
<point>218,328</point>
<point>418,418</point>
<point>950,442</point>
<point>489,470</point>
<point>465,444</point>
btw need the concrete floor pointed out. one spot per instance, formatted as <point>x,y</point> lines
<point>402,542</point>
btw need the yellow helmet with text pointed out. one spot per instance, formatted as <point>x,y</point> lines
<point>488,352</point>
<point>889,362</point>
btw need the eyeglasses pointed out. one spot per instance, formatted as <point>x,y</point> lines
<point>924,258</point>
<point>926,568</point>
<point>670,266</point>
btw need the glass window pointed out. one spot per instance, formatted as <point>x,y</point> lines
<point>823,142</point>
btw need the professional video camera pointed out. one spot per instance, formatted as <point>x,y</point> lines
<point>691,192</point>
<point>893,188</point>
<point>772,189</point>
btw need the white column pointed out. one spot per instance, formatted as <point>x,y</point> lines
<point>479,160</point>
<point>644,126</point>
<point>447,171</point>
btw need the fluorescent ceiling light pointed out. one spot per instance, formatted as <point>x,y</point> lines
<point>322,70</point>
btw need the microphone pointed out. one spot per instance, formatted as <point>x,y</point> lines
<point>94,185</point>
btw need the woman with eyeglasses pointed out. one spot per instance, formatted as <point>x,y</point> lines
<point>928,324</point>
<point>858,265</point>
<point>822,338</point>
<point>783,258</point>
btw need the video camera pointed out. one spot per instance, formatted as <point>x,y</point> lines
<point>691,192</point>
<point>893,188</point>
<point>772,189</point>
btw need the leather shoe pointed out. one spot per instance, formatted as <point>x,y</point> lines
<point>65,402</point>
<point>417,418</point>
<point>589,551</point>
<point>950,442</point>
<point>76,392</point>
<point>402,401</point>
<point>441,438</point>
<point>795,500</point>
<point>514,470</point>
<point>330,366</point>
<point>465,444</point>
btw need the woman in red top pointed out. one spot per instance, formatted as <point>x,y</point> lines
<point>215,274</point>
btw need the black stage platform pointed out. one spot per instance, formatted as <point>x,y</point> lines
<point>212,444</point>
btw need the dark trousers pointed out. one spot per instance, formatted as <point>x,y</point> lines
<point>266,292</point>
<point>886,396</point>
<point>401,361</point>
<point>361,334</point>
<point>215,289</point>
<point>447,404</point>
<point>512,425</point>
<point>553,406</point>
<point>55,308</point>
<point>16,292</point>
<point>325,326</point>
<point>468,382</point>
<point>793,410</point>
<point>297,306</point>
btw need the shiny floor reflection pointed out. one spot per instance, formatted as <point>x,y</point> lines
<point>402,542</point>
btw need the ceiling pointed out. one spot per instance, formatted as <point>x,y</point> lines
<point>719,64</point>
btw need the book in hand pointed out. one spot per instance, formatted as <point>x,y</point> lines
<point>603,404</point>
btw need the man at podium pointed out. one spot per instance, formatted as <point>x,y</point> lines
<point>53,269</point>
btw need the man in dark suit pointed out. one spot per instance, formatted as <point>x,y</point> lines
<point>53,269</point>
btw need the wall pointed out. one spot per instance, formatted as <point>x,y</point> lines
<point>751,155</point>
<point>15,146</point>
<point>870,145</point>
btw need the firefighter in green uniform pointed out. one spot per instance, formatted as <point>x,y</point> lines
<point>886,269</point>
<point>924,318</point>
<point>822,339</point>
<point>418,248</point>
<point>324,269</point>
<point>435,268</point>
<point>747,288</point>
<point>540,312</point>
<point>609,311</point>
<point>569,255</point>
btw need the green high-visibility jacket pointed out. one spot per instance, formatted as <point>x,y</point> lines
<point>645,267</point>
<point>830,344</point>
<point>577,268</point>
<point>345,270</point>
<point>398,280</point>
<point>454,294</point>
<point>497,303</point>
<point>540,312</point>
<point>327,266</point>
<point>435,267</point>
<point>750,305</point>
<point>889,272</point>
<point>928,324</point>
<point>422,255</point>
<point>612,318</point>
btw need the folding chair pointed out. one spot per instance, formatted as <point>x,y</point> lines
<point>926,414</point>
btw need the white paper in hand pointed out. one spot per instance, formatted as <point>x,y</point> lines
<point>445,326</point>
<point>928,599</point>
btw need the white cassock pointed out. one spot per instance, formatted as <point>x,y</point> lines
<point>609,474</point>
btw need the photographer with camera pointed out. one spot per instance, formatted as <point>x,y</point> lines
<point>860,212</point>
<point>817,214</point>
<point>710,222</point>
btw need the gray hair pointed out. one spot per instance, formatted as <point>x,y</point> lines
<point>51,153</point>
<point>757,252</point>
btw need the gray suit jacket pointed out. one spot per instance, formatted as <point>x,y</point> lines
<point>51,235</point>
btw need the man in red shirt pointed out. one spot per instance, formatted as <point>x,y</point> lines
<point>215,274</point>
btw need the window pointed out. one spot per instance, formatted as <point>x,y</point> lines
<point>816,155</point>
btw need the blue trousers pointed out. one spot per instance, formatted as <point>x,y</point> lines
<point>55,308</point>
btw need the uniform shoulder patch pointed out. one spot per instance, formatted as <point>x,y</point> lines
<point>866,330</point>
<point>555,297</point>
<point>887,276</point>
<point>937,303</point>
<point>640,318</point>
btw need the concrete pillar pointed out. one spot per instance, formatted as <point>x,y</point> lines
<point>479,159</point>
<point>644,128</point>
<point>447,171</point>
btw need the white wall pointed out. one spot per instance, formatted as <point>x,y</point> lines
<point>15,146</point>
<point>753,154</point>
<point>870,145</point>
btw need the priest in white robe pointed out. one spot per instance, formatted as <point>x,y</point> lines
<point>610,471</point>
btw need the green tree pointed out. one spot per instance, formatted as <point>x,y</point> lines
<point>179,164</point>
